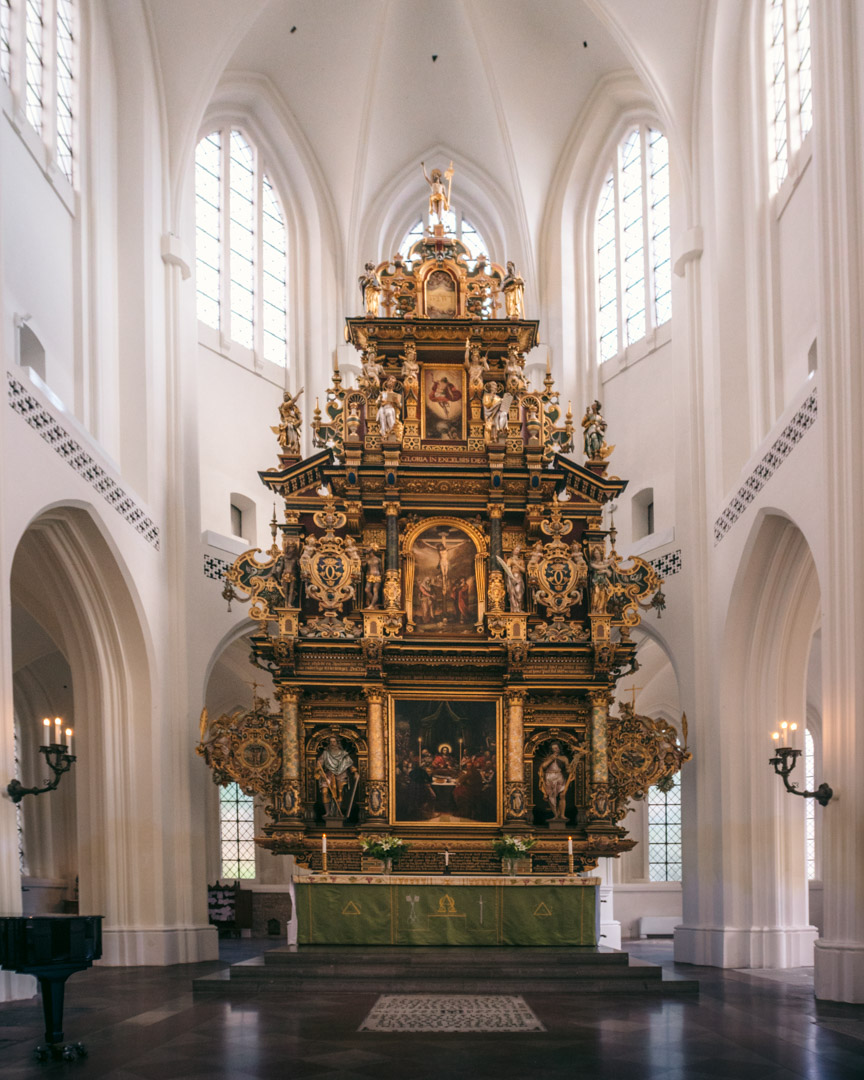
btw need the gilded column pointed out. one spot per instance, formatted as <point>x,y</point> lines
<point>515,807</point>
<point>289,697</point>
<point>376,784</point>
<point>599,809</point>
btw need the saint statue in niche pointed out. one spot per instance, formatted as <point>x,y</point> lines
<point>334,770</point>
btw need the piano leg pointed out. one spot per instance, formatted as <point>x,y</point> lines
<point>53,987</point>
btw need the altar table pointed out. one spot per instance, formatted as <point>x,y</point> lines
<point>395,909</point>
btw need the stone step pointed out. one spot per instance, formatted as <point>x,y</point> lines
<point>410,956</point>
<point>393,969</point>
<point>350,973</point>
<point>223,984</point>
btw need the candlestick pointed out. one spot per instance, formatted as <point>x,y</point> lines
<point>570,854</point>
<point>324,853</point>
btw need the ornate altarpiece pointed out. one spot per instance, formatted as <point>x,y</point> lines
<point>443,596</point>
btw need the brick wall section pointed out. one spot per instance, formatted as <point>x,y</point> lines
<point>270,905</point>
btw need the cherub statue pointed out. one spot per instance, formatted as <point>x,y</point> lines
<point>389,408</point>
<point>513,287</point>
<point>439,199</point>
<point>514,369</point>
<point>290,422</point>
<point>372,371</point>
<point>594,427</point>
<point>410,368</point>
<point>373,577</point>
<point>370,290</point>
<point>477,366</point>
<point>495,412</point>
<point>514,569</point>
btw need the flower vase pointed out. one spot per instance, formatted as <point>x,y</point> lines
<point>507,867</point>
<point>388,866</point>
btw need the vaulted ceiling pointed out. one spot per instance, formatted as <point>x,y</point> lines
<point>360,82</point>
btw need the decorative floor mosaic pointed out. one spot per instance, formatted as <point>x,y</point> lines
<point>451,1012</point>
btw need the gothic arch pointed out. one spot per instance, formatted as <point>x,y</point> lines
<point>74,585</point>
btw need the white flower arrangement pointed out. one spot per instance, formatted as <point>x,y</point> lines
<point>513,847</point>
<point>383,847</point>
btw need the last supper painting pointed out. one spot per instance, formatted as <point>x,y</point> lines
<point>446,761</point>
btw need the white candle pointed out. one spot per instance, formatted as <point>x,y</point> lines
<point>570,846</point>
<point>69,739</point>
<point>446,858</point>
<point>324,843</point>
<point>46,723</point>
<point>58,729</point>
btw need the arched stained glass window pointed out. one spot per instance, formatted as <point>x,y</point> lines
<point>241,246</point>
<point>790,83</point>
<point>632,243</point>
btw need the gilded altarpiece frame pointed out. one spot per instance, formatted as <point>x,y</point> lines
<point>445,560</point>
<point>446,760</point>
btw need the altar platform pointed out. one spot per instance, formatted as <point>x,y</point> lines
<point>354,969</point>
<point>438,910</point>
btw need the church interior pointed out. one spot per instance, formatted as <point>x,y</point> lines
<point>430,535</point>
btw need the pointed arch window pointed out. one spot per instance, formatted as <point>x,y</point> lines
<point>632,243</point>
<point>790,82</point>
<point>456,224</point>
<point>241,246</point>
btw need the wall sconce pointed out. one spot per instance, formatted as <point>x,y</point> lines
<point>784,761</point>
<point>59,757</point>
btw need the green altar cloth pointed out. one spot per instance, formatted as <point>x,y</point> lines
<point>391,910</point>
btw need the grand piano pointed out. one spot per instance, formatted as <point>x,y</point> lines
<point>51,947</point>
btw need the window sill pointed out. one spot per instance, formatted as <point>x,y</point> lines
<point>35,146</point>
<point>646,346</point>
<point>214,342</point>
<point>797,168</point>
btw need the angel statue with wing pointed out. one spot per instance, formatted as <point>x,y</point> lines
<point>514,570</point>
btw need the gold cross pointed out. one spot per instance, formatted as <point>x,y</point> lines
<point>633,689</point>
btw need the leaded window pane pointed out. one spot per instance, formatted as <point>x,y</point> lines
<point>5,40</point>
<point>34,62</point>
<point>65,87</point>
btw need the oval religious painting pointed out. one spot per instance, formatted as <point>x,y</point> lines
<point>440,295</point>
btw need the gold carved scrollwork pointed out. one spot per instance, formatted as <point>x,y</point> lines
<point>641,752</point>
<point>244,747</point>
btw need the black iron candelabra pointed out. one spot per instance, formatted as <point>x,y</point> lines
<point>59,761</point>
<point>784,761</point>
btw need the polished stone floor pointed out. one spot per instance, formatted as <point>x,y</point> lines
<point>143,1024</point>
